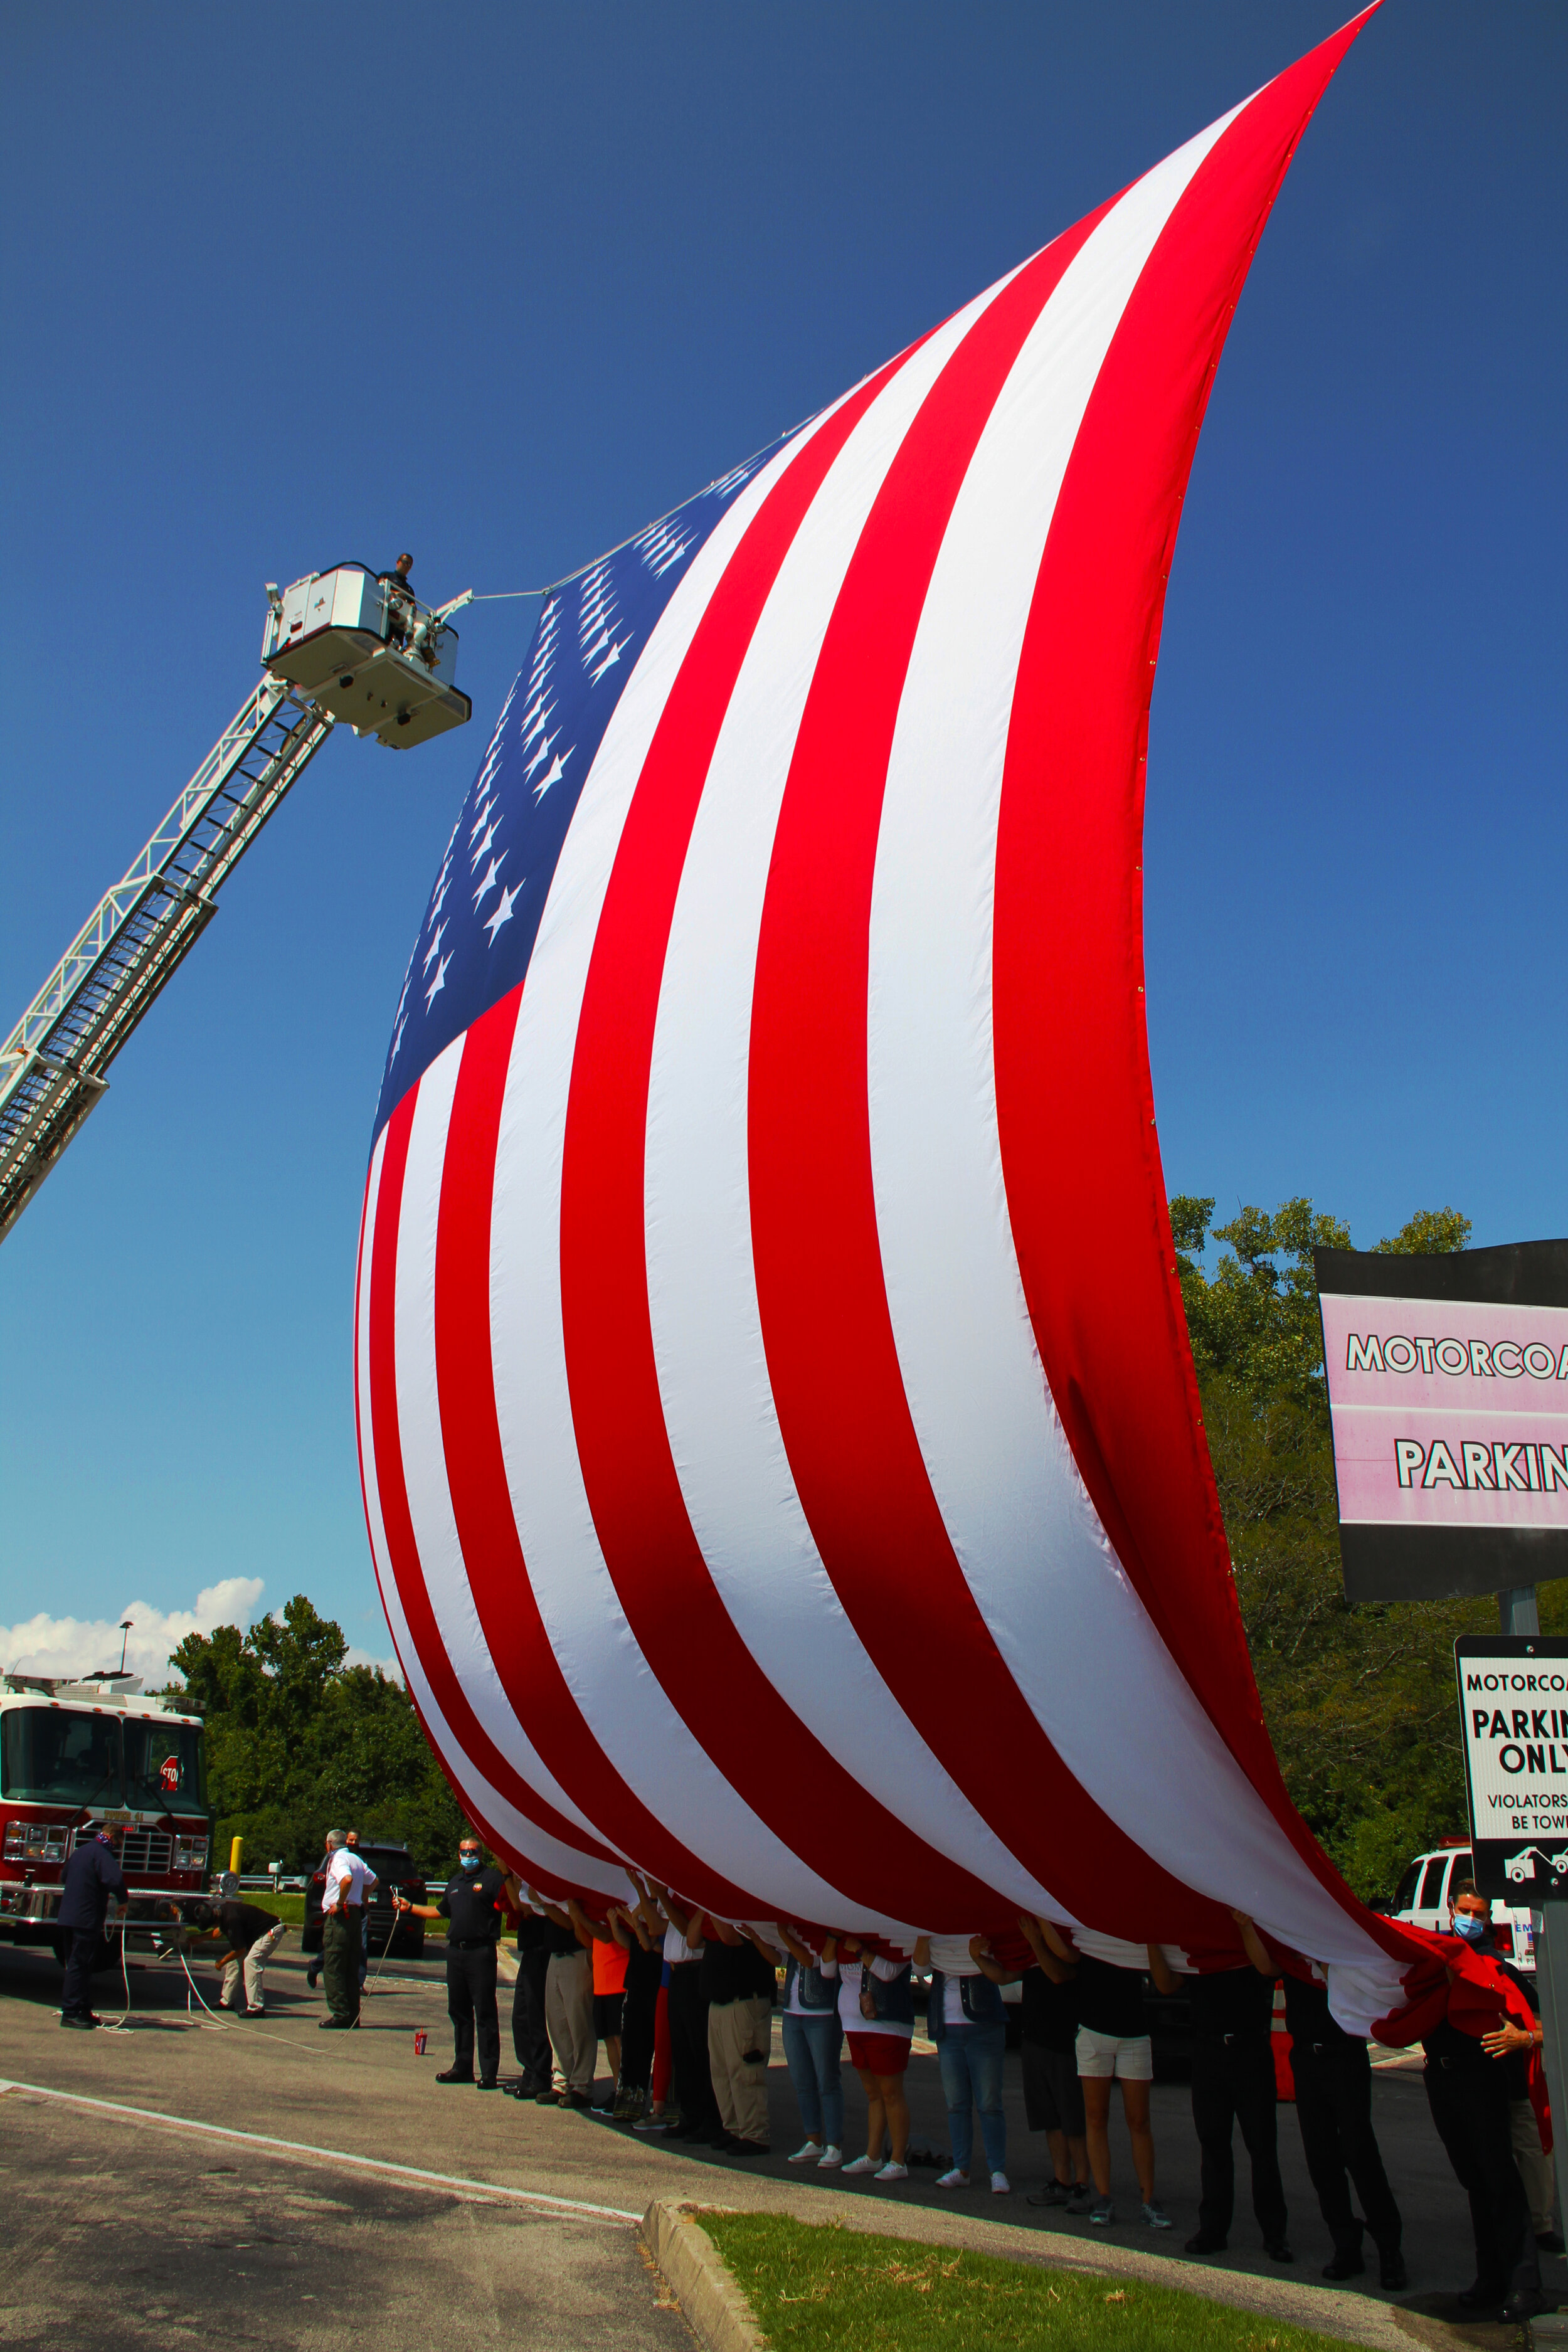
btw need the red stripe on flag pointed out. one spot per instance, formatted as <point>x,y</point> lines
<point>831,1352</point>
<point>773,1762</point>
<point>1090,1220</point>
<point>515,1632</point>
<point>402,1547</point>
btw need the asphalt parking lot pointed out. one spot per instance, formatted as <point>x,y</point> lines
<point>507,2223</point>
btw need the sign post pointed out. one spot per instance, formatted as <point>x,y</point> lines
<point>1510,1683</point>
<point>1447,1382</point>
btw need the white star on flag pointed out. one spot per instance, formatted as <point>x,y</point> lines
<point>438,983</point>
<point>557,770</point>
<point>541,754</point>
<point>502,913</point>
<point>493,871</point>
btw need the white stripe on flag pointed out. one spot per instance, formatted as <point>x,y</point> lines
<point>621,1699</point>
<point>1061,1611</point>
<point>424,1456</point>
<point>545,1853</point>
<point>718,1409</point>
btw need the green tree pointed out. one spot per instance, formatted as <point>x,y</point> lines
<point>299,1743</point>
<point>1360,1702</point>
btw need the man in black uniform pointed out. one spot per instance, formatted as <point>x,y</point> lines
<point>399,598</point>
<point>1333,2107</point>
<point>1232,2082</point>
<point>530,2036</point>
<point>1053,2095</point>
<point>91,1875</point>
<point>1470,2077</point>
<point>471,1902</point>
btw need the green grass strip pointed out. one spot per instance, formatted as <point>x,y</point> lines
<point>813,2288</point>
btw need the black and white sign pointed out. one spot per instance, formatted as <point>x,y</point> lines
<point>1513,1716</point>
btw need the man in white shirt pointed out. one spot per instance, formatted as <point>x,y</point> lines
<point>342,1920</point>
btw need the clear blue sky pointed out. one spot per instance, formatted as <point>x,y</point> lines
<point>498,284</point>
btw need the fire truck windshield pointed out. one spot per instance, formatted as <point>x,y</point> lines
<point>51,1756</point>
<point>163,1766</point>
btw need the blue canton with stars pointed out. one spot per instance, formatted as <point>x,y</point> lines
<point>484,912</point>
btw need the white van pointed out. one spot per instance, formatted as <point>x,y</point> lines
<point>1423,1899</point>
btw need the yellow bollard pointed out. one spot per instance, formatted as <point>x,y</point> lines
<point>234,1855</point>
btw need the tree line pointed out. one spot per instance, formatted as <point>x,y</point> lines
<point>1360,1701</point>
<point>299,1743</point>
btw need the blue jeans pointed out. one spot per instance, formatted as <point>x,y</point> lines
<point>811,2052</point>
<point>971,2058</point>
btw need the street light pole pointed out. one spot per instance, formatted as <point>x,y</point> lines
<point>1519,1612</point>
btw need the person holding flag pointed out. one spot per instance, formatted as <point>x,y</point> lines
<point>1483,2047</point>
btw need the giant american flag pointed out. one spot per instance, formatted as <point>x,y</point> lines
<point>780,1447</point>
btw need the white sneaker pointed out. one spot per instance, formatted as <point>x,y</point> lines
<point>863,2164</point>
<point>891,2172</point>
<point>954,2179</point>
<point>830,2160</point>
<point>1000,2185</point>
<point>809,2153</point>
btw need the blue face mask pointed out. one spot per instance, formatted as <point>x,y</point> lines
<point>1466,1924</point>
<point>470,1861</point>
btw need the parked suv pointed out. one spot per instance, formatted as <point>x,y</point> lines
<point>386,1932</point>
<point>1423,1899</point>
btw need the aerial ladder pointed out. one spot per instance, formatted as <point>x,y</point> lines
<point>339,646</point>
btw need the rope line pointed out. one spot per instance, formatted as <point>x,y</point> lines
<point>504,595</point>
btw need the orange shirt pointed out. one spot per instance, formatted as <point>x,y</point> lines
<point>609,1967</point>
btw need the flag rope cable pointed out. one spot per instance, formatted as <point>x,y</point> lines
<point>507,595</point>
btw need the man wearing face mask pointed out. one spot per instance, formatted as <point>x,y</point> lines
<point>472,1902</point>
<point>1477,2062</point>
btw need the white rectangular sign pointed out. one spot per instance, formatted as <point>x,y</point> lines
<point>1514,1714</point>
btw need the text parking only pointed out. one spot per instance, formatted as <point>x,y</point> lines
<point>1513,1716</point>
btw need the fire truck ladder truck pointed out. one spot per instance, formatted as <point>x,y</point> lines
<point>338,645</point>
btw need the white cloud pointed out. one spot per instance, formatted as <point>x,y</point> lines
<point>389,1666</point>
<point>81,1646</point>
<point>78,1645</point>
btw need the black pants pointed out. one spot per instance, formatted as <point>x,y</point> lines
<point>1333,2107</point>
<point>471,2006</point>
<point>1232,2082</point>
<point>1469,2107</point>
<point>644,1972</point>
<point>529,2038</point>
<point>688,2053</point>
<point>341,1949</point>
<point>81,1945</point>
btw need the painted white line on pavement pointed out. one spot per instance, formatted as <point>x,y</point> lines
<point>264,2140</point>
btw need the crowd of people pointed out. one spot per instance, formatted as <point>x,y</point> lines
<point>682,2003</point>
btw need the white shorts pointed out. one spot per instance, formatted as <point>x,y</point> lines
<point>1133,2057</point>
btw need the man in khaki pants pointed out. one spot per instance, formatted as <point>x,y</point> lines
<point>568,2007</point>
<point>738,1983</point>
<point>251,1936</point>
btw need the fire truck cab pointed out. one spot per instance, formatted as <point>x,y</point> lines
<point>77,1756</point>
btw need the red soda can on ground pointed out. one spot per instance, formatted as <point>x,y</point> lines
<point>420,2038</point>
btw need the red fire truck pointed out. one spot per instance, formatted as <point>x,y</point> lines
<point>75,1756</point>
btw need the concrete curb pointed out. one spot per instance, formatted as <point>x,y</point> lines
<point>715,2309</point>
<point>722,2320</point>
